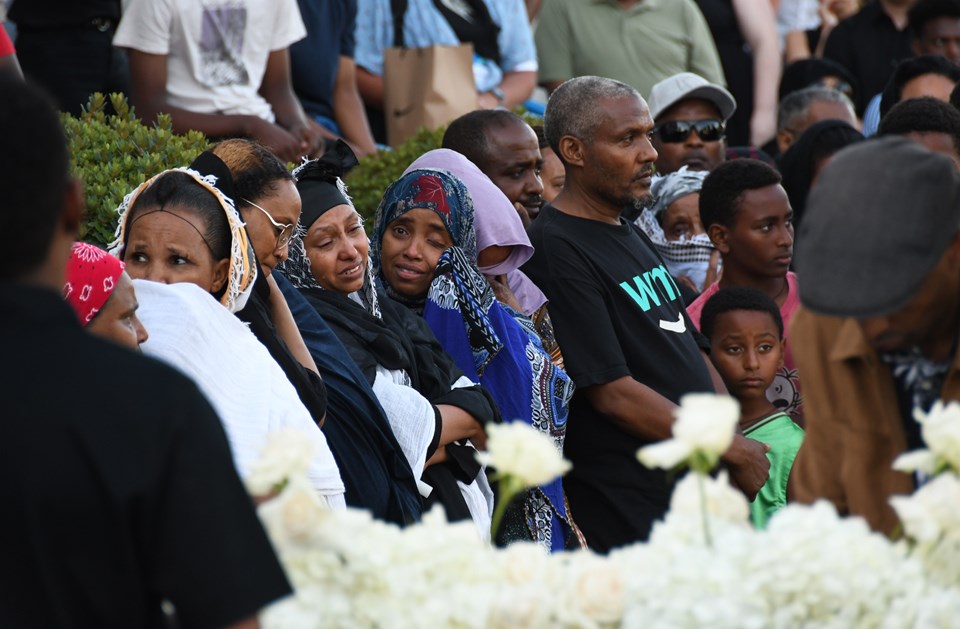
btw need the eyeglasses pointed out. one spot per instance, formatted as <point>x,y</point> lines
<point>677,131</point>
<point>284,232</point>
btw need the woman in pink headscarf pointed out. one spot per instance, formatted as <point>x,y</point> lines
<point>101,293</point>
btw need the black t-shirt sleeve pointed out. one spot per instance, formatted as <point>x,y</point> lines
<point>213,559</point>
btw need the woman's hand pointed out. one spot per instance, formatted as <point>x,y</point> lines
<point>502,292</point>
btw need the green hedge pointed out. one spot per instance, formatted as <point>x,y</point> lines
<point>113,154</point>
<point>368,181</point>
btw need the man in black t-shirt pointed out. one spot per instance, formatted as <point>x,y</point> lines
<point>118,490</point>
<point>626,339</point>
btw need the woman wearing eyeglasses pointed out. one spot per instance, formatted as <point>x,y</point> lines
<point>266,195</point>
<point>375,473</point>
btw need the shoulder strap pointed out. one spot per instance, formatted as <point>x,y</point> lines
<point>399,9</point>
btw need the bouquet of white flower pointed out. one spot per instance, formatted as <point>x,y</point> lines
<point>809,568</point>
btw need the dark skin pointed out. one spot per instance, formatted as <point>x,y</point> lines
<point>293,135</point>
<point>513,162</point>
<point>758,247</point>
<point>604,174</point>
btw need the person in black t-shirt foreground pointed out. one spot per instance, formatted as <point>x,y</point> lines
<point>627,341</point>
<point>118,490</point>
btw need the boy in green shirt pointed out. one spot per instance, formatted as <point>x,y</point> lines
<point>745,331</point>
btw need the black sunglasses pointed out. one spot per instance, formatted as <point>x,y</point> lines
<point>677,131</point>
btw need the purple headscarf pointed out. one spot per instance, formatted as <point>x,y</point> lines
<point>497,223</point>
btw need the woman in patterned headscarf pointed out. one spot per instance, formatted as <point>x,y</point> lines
<point>425,250</point>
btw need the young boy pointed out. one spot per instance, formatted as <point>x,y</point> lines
<point>745,331</point>
<point>747,215</point>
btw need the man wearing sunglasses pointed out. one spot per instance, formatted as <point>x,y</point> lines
<point>690,115</point>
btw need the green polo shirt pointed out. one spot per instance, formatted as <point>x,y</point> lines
<point>642,45</point>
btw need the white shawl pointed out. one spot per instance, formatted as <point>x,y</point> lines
<point>191,331</point>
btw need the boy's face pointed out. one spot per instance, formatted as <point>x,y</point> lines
<point>747,351</point>
<point>760,242</point>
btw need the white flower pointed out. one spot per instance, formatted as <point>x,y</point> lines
<point>287,453</point>
<point>520,451</point>
<point>595,588</point>
<point>721,500</point>
<point>916,461</point>
<point>932,511</point>
<point>296,513</point>
<point>704,427</point>
<point>941,432</point>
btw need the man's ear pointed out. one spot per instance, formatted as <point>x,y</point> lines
<point>783,352</point>
<point>784,140</point>
<point>571,150</point>
<point>719,236</point>
<point>71,214</point>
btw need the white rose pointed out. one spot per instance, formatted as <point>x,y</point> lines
<point>720,499</point>
<point>296,514</point>
<point>706,422</point>
<point>704,428</point>
<point>941,432</point>
<point>524,563</point>
<point>519,607</point>
<point>520,451</point>
<point>287,453</point>
<point>598,587</point>
<point>932,510</point>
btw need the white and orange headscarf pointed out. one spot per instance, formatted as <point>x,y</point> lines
<point>243,266</point>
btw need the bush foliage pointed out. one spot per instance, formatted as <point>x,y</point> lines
<point>113,154</point>
<point>368,181</point>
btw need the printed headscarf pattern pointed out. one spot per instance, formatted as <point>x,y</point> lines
<point>488,342</point>
<point>92,274</point>
<point>443,193</point>
<point>428,189</point>
<point>688,256</point>
<point>325,189</point>
<point>496,222</point>
<point>243,269</point>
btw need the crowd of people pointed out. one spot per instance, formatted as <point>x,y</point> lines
<point>580,276</point>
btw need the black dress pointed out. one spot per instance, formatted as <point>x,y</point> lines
<point>402,340</point>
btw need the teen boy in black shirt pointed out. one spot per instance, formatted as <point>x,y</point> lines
<point>626,339</point>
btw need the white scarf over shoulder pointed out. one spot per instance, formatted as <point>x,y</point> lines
<point>191,331</point>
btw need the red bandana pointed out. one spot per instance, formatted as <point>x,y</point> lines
<point>92,274</point>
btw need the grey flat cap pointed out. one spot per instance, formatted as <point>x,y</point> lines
<point>878,220</point>
<point>675,88</point>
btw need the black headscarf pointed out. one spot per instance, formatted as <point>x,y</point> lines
<point>320,182</point>
<point>819,141</point>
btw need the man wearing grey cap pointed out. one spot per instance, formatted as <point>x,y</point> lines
<point>690,116</point>
<point>879,258</point>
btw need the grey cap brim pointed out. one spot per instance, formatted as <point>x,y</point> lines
<point>715,94</point>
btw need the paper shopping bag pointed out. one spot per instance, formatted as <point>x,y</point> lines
<point>426,87</point>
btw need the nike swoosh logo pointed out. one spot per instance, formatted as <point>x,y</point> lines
<point>678,326</point>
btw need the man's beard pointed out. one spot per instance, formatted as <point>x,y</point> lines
<point>633,207</point>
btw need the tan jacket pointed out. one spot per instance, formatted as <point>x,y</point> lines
<point>853,423</point>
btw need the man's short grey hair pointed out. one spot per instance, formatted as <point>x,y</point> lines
<point>794,105</point>
<point>572,108</point>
